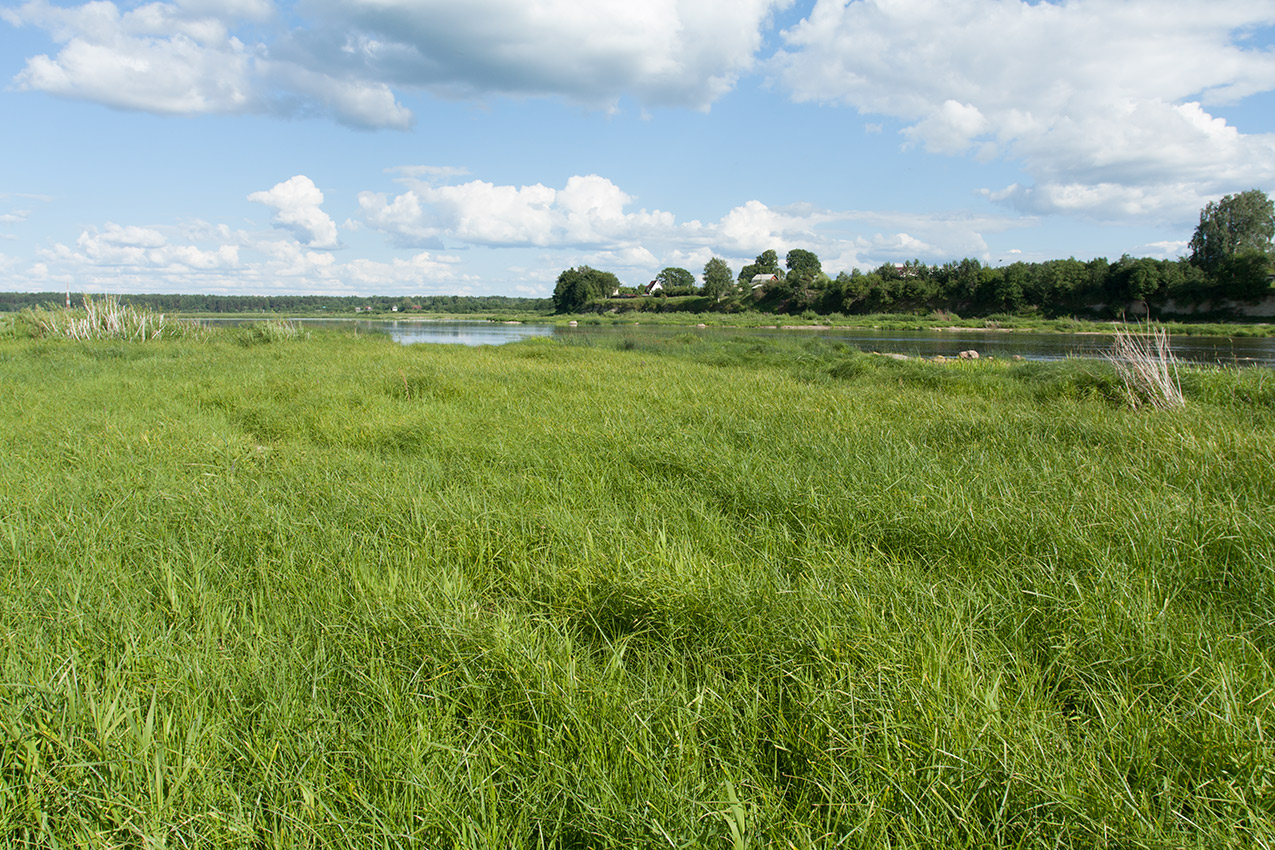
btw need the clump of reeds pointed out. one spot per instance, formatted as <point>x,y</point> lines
<point>1146,367</point>
<point>107,319</point>
<point>273,330</point>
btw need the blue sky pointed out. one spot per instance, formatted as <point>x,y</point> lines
<point>430,146</point>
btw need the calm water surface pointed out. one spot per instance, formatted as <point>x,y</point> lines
<point>1029,346</point>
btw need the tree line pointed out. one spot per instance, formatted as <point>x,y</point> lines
<point>199,303</point>
<point>1230,261</point>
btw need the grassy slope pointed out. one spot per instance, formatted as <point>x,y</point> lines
<point>341,591</point>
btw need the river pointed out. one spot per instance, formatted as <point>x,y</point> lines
<point>1030,345</point>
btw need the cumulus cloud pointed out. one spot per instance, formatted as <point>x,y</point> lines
<point>130,258</point>
<point>298,206</point>
<point>661,52</point>
<point>589,211</point>
<point>950,129</point>
<point>342,59</point>
<point>184,58</point>
<point>144,248</point>
<point>1105,104</point>
<point>155,57</point>
<point>754,226</point>
<point>421,269</point>
<point>203,257</point>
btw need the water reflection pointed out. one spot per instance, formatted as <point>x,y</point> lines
<point>462,333</point>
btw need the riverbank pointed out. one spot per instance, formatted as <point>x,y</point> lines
<point>894,321</point>
<point>330,590</point>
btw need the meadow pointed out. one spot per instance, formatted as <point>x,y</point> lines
<point>262,589</point>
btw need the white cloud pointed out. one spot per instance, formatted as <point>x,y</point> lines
<point>662,52</point>
<point>290,259</point>
<point>193,57</point>
<point>153,58</point>
<point>419,270</point>
<point>253,10</point>
<point>634,259</point>
<point>351,100</point>
<point>952,129</point>
<point>1105,104</point>
<point>298,207</point>
<point>183,58</point>
<point>754,227</point>
<point>901,245</point>
<point>129,258</point>
<point>1169,249</point>
<point>588,211</point>
<point>143,248</point>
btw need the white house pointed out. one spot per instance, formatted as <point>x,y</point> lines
<point>761,281</point>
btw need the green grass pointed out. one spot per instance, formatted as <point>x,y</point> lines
<point>319,591</point>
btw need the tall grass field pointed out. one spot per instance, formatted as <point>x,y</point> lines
<point>265,589</point>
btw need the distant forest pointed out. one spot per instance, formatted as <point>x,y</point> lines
<point>459,304</point>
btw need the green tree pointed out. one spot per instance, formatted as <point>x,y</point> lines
<point>677,279</point>
<point>718,280</point>
<point>805,278</point>
<point>1236,226</point>
<point>767,262</point>
<point>961,280</point>
<point>576,287</point>
<point>1244,277</point>
<point>803,263</point>
<point>1008,292</point>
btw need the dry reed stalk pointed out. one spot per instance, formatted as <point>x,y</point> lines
<point>104,319</point>
<point>1147,368</point>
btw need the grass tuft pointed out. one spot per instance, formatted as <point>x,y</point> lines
<point>1146,367</point>
<point>271,331</point>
